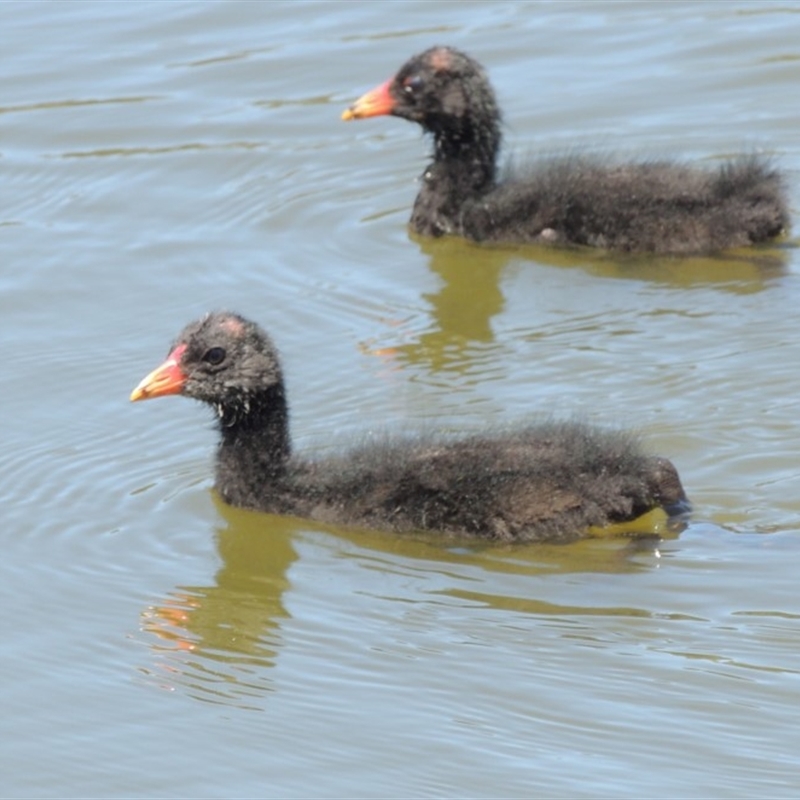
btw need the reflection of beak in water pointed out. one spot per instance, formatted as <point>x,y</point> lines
<point>170,622</point>
<point>218,641</point>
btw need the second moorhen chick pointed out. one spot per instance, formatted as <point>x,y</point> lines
<point>648,207</point>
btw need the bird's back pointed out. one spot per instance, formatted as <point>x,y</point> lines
<point>655,207</point>
<point>544,482</point>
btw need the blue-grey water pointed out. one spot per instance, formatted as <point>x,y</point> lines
<point>161,159</point>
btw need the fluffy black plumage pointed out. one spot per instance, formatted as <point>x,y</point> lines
<point>545,482</point>
<point>649,207</point>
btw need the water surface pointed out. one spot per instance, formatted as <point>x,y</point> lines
<point>162,159</point>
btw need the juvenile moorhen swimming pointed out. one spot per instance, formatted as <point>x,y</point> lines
<point>546,482</point>
<point>648,207</point>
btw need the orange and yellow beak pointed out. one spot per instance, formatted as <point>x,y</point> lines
<point>374,103</point>
<point>169,378</point>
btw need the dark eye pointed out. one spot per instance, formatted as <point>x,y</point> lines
<point>214,356</point>
<point>412,84</point>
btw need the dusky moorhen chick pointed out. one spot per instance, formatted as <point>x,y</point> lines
<point>547,482</point>
<point>649,207</point>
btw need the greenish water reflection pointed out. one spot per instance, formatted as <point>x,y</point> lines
<point>219,642</point>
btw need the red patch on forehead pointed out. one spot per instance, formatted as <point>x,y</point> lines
<point>441,59</point>
<point>233,326</point>
<point>177,354</point>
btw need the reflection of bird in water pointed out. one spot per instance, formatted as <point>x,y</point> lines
<point>533,483</point>
<point>646,207</point>
<point>208,634</point>
<point>459,337</point>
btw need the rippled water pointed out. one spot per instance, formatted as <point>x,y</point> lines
<point>161,159</point>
